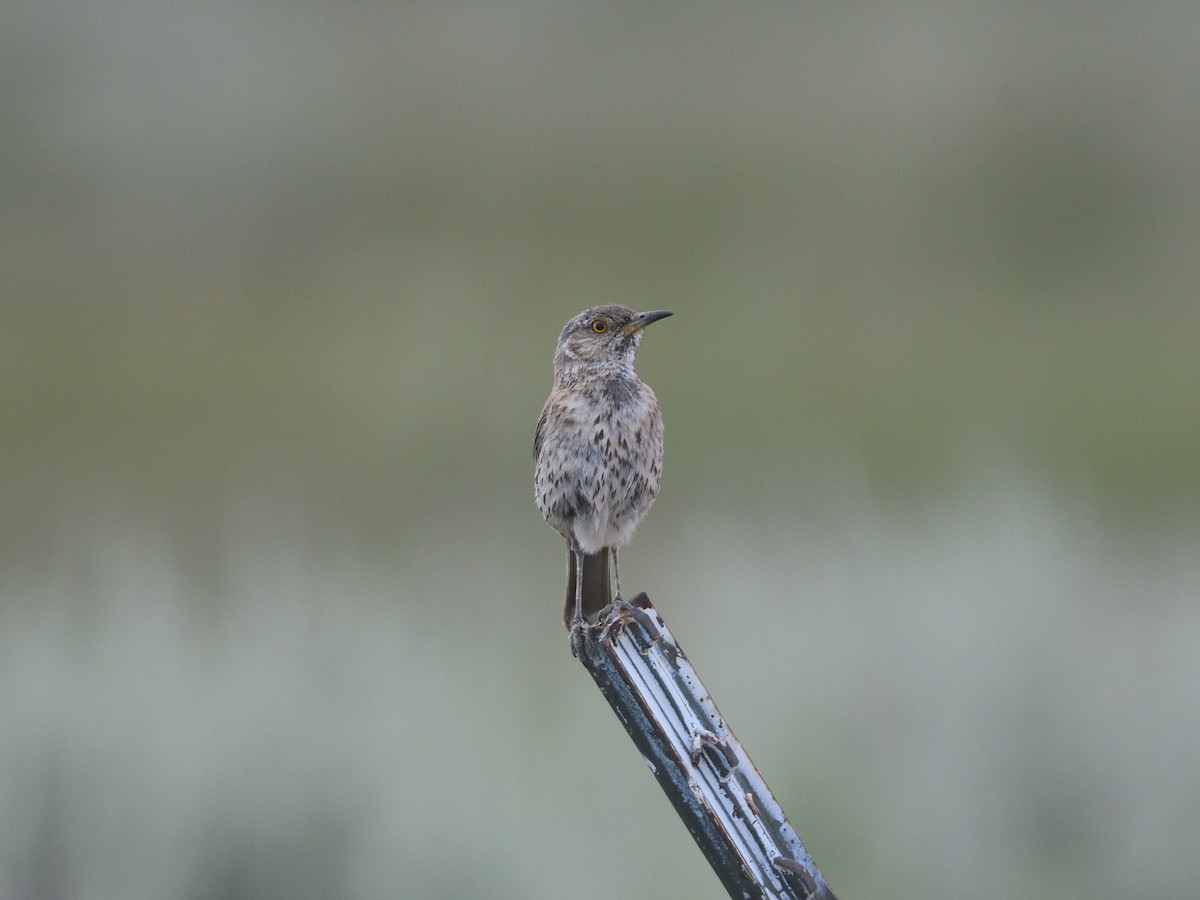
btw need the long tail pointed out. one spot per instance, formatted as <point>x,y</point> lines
<point>597,584</point>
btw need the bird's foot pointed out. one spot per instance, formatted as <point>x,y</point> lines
<point>614,617</point>
<point>619,613</point>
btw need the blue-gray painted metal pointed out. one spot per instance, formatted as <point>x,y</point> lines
<point>722,799</point>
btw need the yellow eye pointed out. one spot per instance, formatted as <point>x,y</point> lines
<point>599,326</point>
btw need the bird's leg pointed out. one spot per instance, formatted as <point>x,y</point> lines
<point>575,632</point>
<point>613,615</point>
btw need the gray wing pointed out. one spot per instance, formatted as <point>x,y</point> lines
<point>537,432</point>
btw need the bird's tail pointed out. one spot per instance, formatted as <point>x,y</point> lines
<point>597,584</point>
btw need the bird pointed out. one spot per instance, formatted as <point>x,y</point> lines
<point>598,449</point>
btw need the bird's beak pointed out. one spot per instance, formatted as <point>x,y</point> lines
<point>642,319</point>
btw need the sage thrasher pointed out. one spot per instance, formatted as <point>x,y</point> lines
<point>599,449</point>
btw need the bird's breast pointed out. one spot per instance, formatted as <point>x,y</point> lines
<point>601,459</point>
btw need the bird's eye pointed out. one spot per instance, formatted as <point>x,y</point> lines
<point>599,326</point>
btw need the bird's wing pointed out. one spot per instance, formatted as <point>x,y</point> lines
<point>537,432</point>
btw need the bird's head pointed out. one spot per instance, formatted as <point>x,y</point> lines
<point>603,337</point>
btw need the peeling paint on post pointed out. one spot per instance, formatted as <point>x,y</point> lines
<point>713,785</point>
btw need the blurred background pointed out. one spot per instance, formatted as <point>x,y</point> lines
<point>280,292</point>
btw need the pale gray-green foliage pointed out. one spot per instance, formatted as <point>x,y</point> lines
<point>280,291</point>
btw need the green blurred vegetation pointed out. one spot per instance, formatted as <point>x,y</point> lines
<point>280,292</point>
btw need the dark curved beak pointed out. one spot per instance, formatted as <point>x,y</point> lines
<point>642,319</point>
